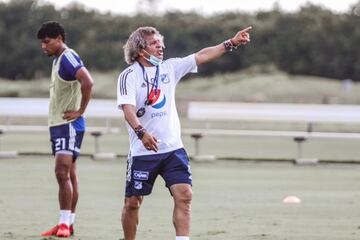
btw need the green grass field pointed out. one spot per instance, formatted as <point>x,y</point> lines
<point>232,200</point>
<point>256,84</point>
<point>241,147</point>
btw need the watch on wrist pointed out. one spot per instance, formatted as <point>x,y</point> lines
<point>140,131</point>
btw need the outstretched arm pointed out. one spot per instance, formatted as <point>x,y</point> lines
<point>211,53</point>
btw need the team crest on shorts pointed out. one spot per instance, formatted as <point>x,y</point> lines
<point>138,185</point>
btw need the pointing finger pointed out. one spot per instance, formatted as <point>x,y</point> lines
<point>246,29</point>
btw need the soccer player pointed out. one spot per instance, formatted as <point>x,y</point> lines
<point>146,95</point>
<point>70,92</point>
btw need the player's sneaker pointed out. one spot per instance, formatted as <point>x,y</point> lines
<point>72,230</point>
<point>51,232</point>
<point>63,231</point>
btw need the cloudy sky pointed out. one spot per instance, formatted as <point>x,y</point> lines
<point>202,6</point>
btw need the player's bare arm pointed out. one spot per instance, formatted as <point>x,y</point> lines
<point>211,53</point>
<point>86,81</point>
<point>149,141</point>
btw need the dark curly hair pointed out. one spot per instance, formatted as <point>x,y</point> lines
<point>51,29</point>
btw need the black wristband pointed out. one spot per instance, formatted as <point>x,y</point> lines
<point>140,131</point>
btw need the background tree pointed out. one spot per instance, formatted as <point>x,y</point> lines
<point>311,41</point>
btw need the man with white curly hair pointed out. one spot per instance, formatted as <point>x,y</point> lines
<point>146,95</point>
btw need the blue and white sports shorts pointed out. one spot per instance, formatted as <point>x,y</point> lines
<point>142,171</point>
<point>67,138</point>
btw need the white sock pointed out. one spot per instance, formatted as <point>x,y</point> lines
<point>72,218</point>
<point>182,238</point>
<point>65,217</point>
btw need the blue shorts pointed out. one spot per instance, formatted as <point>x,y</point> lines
<point>142,171</point>
<point>67,138</point>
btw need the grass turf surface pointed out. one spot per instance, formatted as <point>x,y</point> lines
<point>232,200</point>
<point>223,147</point>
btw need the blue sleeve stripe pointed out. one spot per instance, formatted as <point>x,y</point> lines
<point>123,78</point>
<point>69,65</point>
<point>75,63</point>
